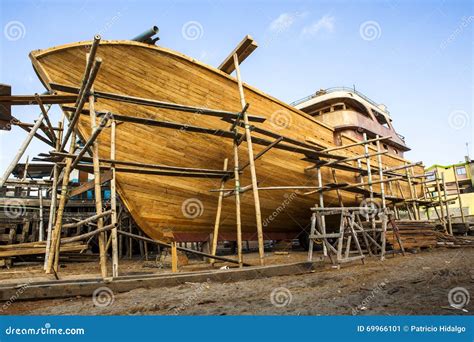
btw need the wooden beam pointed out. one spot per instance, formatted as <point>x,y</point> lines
<point>92,140</point>
<point>261,153</point>
<point>81,99</point>
<point>104,177</point>
<point>253,172</point>
<point>159,104</point>
<point>21,151</point>
<point>24,100</point>
<point>243,50</point>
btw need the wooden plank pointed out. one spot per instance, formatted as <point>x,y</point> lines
<point>86,287</point>
<point>243,50</point>
<point>23,100</point>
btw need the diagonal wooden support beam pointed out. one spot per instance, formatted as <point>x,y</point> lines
<point>91,140</point>
<point>261,153</point>
<point>46,118</point>
<point>81,100</point>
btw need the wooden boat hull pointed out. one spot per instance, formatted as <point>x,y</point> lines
<point>182,206</point>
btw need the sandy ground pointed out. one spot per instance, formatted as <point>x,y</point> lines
<point>415,284</point>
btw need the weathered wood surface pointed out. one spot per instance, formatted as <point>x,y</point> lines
<point>158,202</point>
<point>86,287</point>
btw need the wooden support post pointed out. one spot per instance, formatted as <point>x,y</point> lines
<point>130,241</point>
<point>93,65</point>
<point>41,218</point>
<point>412,193</point>
<point>339,197</point>
<point>384,207</point>
<point>56,234</point>
<point>312,232</point>
<point>238,218</point>
<point>174,257</point>
<point>369,181</point>
<point>97,189</point>
<point>258,214</point>
<point>321,205</point>
<point>440,200</point>
<point>463,218</point>
<point>448,214</point>
<point>218,216</point>
<point>21,150</point>
<point>92,140</point>
<point>113,202</point>
<point>54,198</point>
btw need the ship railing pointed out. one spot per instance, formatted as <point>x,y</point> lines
<point>334,89</point>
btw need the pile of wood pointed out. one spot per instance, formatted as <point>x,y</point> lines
<point>446,240</point>
<point>414,234</point>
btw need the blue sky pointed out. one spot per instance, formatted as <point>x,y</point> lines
<point>416,57</point>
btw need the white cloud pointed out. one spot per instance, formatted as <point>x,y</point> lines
<point>326,23</point>
<point>284,21</point>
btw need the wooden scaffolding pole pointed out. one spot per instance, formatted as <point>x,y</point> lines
<point>463,218</point>
<point>384,216</point>
<point>54,198</point>
<point>446,203</point>
<point>258,214</point>
<point>97,188</point>
<point>113,201</point>
<point>218,216</point>
<point>56,234</point>
<point>21,150</point>
<point>440,201</point>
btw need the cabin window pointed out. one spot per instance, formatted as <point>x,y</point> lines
<point>381,119</point>
<point>461,170</point>
<point>385,146</point>
<point>338,107</point>
<point>326,110</point>
<point>395,151</point>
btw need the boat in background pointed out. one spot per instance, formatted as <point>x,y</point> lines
<point>352,113</point>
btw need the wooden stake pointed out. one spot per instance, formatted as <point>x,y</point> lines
<point>463,218</point>
<point>174,257</point>
<point>218,216</point>
<point>113,202</point>
<point>440,200</point>
<point>98,189</point>
<point>56,235</point>
<point>54,199</point>
<point>321,205</point>
<point>258,214</point>
<point>448,215</point>
<point>41,230</point>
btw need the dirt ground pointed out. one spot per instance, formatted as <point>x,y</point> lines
<point>415,284</point>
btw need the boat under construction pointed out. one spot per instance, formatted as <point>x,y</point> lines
<point>180,119</point>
